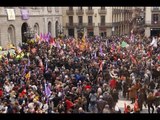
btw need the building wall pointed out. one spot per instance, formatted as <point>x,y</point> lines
<point>110,18</point>
<point>40,15</point>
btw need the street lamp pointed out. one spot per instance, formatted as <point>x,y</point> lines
<point>29,34</point>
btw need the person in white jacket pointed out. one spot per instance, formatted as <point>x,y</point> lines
<point>154,42</point>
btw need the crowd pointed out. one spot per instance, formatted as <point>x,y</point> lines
<point>88,75</point>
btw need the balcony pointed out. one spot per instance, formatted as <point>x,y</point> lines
<point>90,24</point>
<point>155,9</point>
<point>80,12</point>
<point>70,25</point>
<point>102,24</point>
<point>69,12</point>
<point>102,11</point>
<point>155,23</point>
<point>89,12</point>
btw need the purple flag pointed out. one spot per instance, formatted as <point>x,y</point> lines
<point>47,90</point>
<point>95,55</point>
<point>24,70</point>
<point>25,14</point>
<point>46,65</point>
<point>100,49</point>
<point>29,62</point>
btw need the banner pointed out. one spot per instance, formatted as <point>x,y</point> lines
<point>11,14</point>
<point>25,14</point>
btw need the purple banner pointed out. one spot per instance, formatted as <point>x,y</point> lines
<point>25,14</point>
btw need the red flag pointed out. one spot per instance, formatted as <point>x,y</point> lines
<point>136,105</point>
<point>41,64</point>
<point>133,59</point>
<point>52,42</point>
<point>125,108</point>
<point>101,66</point>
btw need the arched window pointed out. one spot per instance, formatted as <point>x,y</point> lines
<point>11,35</point>
<point>49,27</point>
<point>36,28</point>
<point>56,28</point>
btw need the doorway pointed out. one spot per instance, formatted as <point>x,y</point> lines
<point>24,29</point>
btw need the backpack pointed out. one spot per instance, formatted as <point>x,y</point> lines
<point>93,98</point>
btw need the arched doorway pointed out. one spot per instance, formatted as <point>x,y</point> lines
<point>24,29</point>
<point>11,35</point>
<point>56,28</point>
<point>49,27</point>
<point>36,28</point>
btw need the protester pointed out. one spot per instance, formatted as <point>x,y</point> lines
<point>68,75</point>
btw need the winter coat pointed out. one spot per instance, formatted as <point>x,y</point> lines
<point>132,92</point>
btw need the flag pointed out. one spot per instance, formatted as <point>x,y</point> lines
<point>46,66</point>
<point>125,108</point>
<point>133,59</point>
<point>47,90</point>
<point>58,45</point>
<point>52,42</point>
<point>28,75</point>
<point>95,55</point>
<point>101,66</point>
<point>29,62</point>
<point>41,64</point>
<point>19,50</point>
<point>101,51</point>
<point>24,71</point>
<point>136,107</point>
<point>124,44</point>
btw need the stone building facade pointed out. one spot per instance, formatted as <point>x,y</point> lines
<point>40,19</point>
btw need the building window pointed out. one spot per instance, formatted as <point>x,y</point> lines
<point>89,8</point>
<point>89,19</point>
<point>155,18</point>
<point>70,8</point>
<point>11,35</point>
<point>70,20</point>
<point>102,20</point>
<point>36,28</point>
<point>80,19</point>
<point>49,27</point>
<point>102,8</point>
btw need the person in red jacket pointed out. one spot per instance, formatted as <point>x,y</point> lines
<point>113,83</point>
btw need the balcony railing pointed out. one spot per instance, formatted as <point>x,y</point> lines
<point>90,24</point>
<point>70,25</point>
<point>102,24</point>
<point>155,9</point>
<point>89,12</point>
<point>69,12</point>
<point>102,11</point>
<point>155,23</point>
<point>80,12</point>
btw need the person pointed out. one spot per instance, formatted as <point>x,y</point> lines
<point>101,104</point>
<point>132,93</point>
<point>150,102</point>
